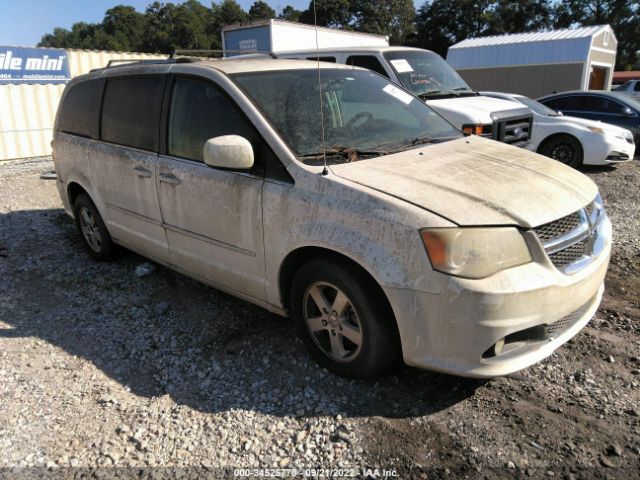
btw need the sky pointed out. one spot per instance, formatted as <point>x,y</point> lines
<point>23,22</point>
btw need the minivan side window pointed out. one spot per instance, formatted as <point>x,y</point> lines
<point>198,111</point>
<point>80,110</point>
<point>367,61</point>
<point>131,111</point>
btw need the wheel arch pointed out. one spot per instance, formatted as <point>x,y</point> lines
<point>298,257</point>
<point>73,190</point>
<point>556,135</point>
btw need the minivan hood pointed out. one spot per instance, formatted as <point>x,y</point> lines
<point>475,181</point>
<point>474,109</point>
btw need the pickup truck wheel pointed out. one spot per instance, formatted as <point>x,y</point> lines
<point>92,229</point>
<point>343,321</point>
<point>565,149</point>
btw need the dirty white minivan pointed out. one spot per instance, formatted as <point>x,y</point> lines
<point>334,195</point>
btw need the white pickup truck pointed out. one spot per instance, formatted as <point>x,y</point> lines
<point>428,76</point>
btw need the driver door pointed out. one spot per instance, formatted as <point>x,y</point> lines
<point>212,216</point>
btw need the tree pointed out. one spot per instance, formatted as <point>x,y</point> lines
<point>507,16</point>
<point>230,12</point>
<point>260,10</point>
<point>289,13</point>
<point>125,27</point>
<point>60,38</point>
<point>441,23</point>
<point>328,13</point>
<point>394,18</point>
<point>622,15</point>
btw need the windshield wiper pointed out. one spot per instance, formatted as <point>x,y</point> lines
<point>433,93</point>
<point>348,154</point>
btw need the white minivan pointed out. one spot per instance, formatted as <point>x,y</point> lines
<point>333,195</point>
<point>428,76</point>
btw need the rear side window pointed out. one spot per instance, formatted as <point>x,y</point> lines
<point>80,109</point>
<point>367,61</point>
<point>131,111</point>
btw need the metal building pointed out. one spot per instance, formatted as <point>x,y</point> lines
<point>31,86</point>
<point>535,64</point>
<point>280,35</point>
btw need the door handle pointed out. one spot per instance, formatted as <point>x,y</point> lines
<point>142,172</point>
<point>170,178</point>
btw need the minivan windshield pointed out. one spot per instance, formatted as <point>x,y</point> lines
<point>365,115</point>
<point>426,74</point>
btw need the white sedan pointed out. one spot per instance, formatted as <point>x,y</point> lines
<point>571,140</point>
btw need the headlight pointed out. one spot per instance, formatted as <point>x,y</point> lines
<point>475,252</point>
<point>596,130</point>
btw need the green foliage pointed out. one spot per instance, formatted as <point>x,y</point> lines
<point>384,17</point>
<point>260,10</point>
<point>289,13</point>
<point>328,13</point>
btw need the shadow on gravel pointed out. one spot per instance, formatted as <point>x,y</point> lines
<point>598,168</point>
<point>165,334</point>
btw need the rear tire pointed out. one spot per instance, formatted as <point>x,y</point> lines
<point>344,320</point>
<point>565,149</point>
<point>92,229</point>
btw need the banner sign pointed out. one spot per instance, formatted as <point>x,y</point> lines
<point>33,65</point>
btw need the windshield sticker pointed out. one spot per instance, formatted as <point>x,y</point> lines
<point>404,97</point>
<point>401,65</point>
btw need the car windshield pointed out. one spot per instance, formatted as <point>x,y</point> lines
<point>537,107</point>
<point>426,74</point>
<point>365,115</point>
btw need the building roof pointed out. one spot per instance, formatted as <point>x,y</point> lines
<point>623,76</point>
<point>556,46</point>
<point>511,38</point>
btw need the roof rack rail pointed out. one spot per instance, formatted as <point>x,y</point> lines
<point>243,52</point>
<point>123,62</point>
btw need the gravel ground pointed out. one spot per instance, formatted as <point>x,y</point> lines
<point>131,365</point>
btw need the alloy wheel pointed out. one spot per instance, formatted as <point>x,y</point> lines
<point>333,321</point>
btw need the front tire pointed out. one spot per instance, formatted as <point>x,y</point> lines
<point>344,320</point>
<point>92,229</point>
<point>565,149</point>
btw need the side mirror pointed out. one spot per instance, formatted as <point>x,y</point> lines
<point>628,112</point>
<point>560,113</point>
<point>228,151</point>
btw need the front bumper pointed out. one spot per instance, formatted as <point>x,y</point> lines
<point>608,150</point>
<point>459,328</point>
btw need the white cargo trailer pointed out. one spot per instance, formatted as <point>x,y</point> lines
<point>279,35</point>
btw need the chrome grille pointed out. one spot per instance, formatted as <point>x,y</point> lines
<point>570,241</point>
<point>558,228</point>
<point>568,255</point>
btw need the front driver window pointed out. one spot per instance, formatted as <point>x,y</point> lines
<point>199,111</point>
